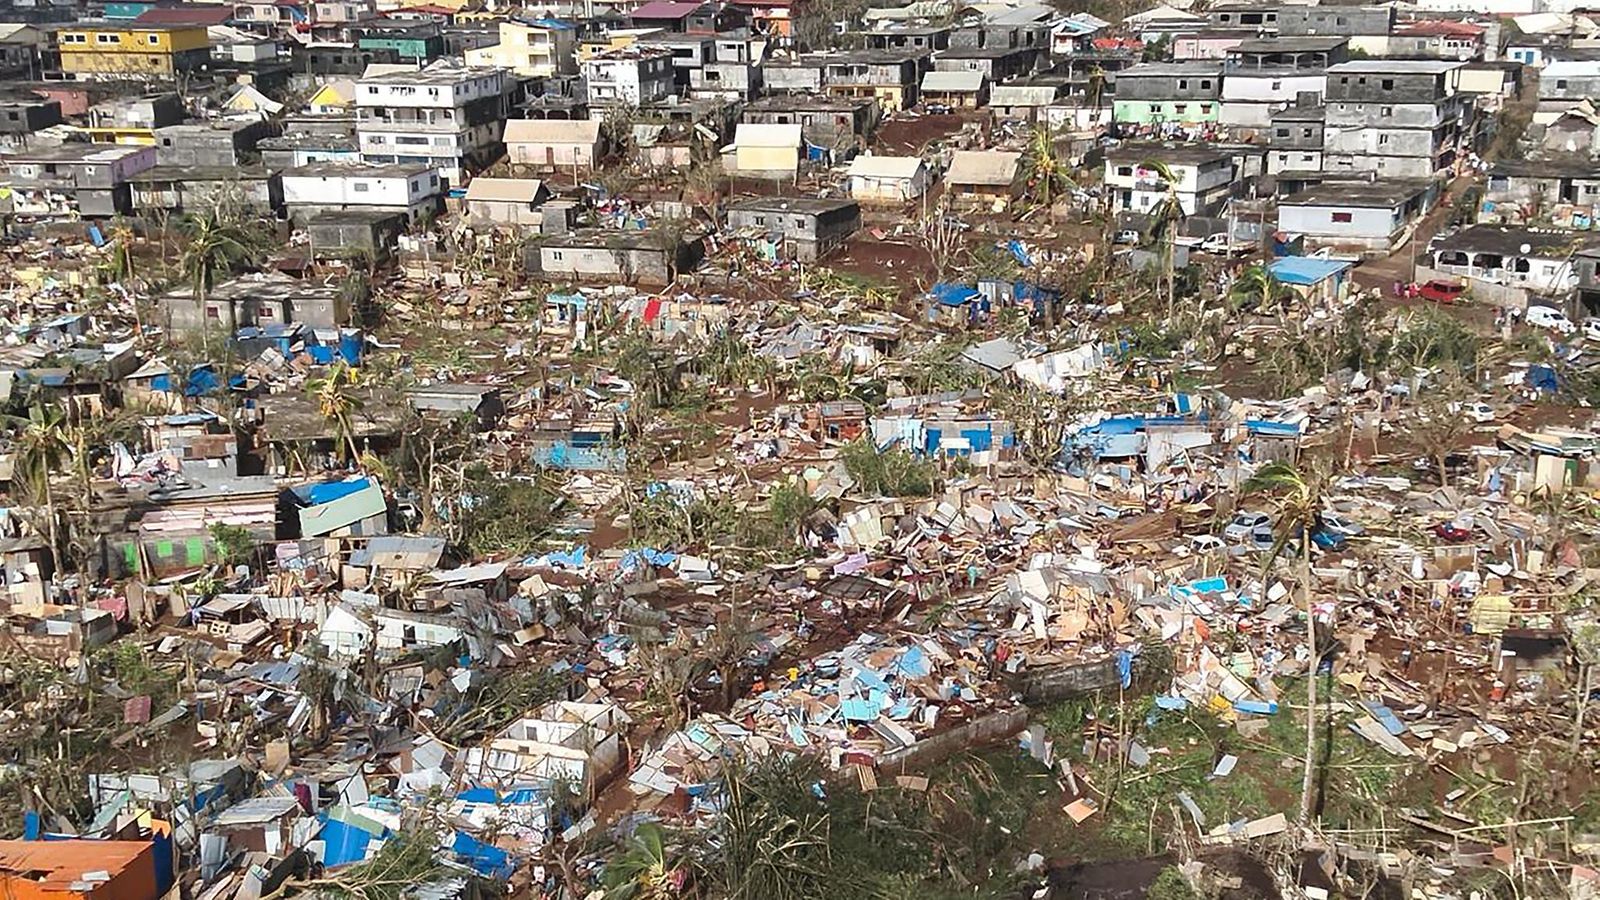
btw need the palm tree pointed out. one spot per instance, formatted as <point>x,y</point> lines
<point>1096,91</point>
<point>643,871</point>
<point>42,448</point>
<point>1256,286</point>
<point>1164,219</point>
<point>338,404</point>
<point>214,248</point>
<point>1298,495</point>
<point>1047,170</point>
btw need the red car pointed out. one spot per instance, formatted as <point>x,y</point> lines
<point>1450,531</point>
<point>1442,291</point>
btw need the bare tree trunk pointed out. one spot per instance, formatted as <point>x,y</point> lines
<point>1585,688</point>
<point>1308,775</point>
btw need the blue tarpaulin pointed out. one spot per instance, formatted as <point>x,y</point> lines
<point>318,494</point>
<point>343,843</point>
<point>1542,378</point>
<point>484,858</point>
<point>954,294</point>
<point>1021,253</point>
<point>202,380</point>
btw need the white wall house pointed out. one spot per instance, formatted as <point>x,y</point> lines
<point>628,76</point>
<point>532,49</point>
<point>1201,178</point>
<point>1250,97</point>
<point>1366,215</point>
<point>447,116</point>
<point>409,188</point>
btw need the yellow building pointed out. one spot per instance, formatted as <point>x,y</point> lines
<point>113,51</point>
<point>534,49</point>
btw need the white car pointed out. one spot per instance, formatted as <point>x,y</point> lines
<point>1478,412</point>
<point>1244,523</point>
<point>1341,525</point>
<point>1551,318</point>
<point>1591,329</point>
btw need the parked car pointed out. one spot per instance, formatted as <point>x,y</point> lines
<point>1450,531</point>
<point>1551,318</point>
<point>1244,523</point>
<point>1128,236</point>
<point>1440,291</point>
<point>938,109</point>
<point>1337,523</point>
<point>1478,412</point>
<point>1221,245</point>
<point>1591,329</point>
<point>1206,543</point>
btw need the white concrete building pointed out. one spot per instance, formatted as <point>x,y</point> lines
<point>628,76</point>
<point>1201,176</point>
<point>446,116</point>
<point>1251,96</point>
<point>411,188</point>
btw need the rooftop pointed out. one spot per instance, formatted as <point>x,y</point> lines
<point>1309,43</point>
<point>76,153</point>
<point>1301,114</point>
<point>1180,154</point>
<point>1395,67</point>
<point>57,865</point>
<point>353,170</point>
<point>1501,241</point>
<point>983,167</point>
<point>1560,166</point>
<point>666,9</point>
<point>1360,194</point>
<point>434,75</point>
<point>809,205</point>
<point>1160,70</point>
<point>202,173</point>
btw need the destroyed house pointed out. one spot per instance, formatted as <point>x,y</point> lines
<point>824,121</point>
<point>1561,190</point>
<point>23,114</point>
<point>352,508</point>
<point>646,257</point>
<point>482,402</point>
<point>198,189</point>
<point>796,227</point>
<point>57,633</point>
<point>76,869</point>
<point>261,299</point>
<point>577,743</point>
<point>223,143</point>
<point>89,180</point>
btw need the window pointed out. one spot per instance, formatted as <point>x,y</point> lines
<point>1179,108</point>
<point>1307,157</point>
<point>1383,139</point>
<point>12,116</point>
<point>152,38</point>
<point>416,186</point>
<point>1343,217</point>
<point>371,89</point>
<point>1282,132</point>
<point>1387,84</point>
<point>1283,157</point>
<point>1561,84</point>
<point>1344,79</point>
<point>1125,171</point>
<point>376,139</point>
<point>1205,109</point>
<point>1277,85</point>
<point>1183,84</point>
<point>433,180</point>
<point>761,220</point>
<point>108,39</point>
<point>799,223</point>
<point>1205,84</point>
<point>1386,111</point>
<point>213,313</point>
<point>1306,132</point>
<point>361,187</point>
<point>555,254</point>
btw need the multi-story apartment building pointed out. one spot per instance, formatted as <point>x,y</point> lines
<point>1153,93</point>
<point>1398,118</point>
<point>130,52</point>
<point>892,77</point>
<point>628,76</point>
<point>535,48</point>
<point>447,116</point>
<point>1266,75</point>
<point>1294,143</point>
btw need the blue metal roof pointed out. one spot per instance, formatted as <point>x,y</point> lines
<point>1306,270</point>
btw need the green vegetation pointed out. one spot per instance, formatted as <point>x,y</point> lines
<point>505,515</point>
<point>889,473</point>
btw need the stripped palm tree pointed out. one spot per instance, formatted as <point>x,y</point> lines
<point>1297,494</point>
<point>214,248</point>
<point>1165,217</point>
<point>337,403</point>
<point>41,449</point>
<point>1047,169</point>
<point>646,869</point>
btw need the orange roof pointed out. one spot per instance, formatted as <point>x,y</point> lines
<point>55,865</point>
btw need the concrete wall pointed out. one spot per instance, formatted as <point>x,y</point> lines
<point>980,732</point>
